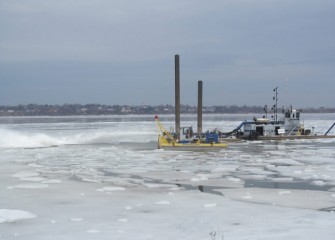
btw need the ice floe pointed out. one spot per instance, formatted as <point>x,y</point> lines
<point>76,219</point>
<point>31,185</point>
<point>25,174</point>
<point>52,181</point>
<point>93,231</point>
<point>225,168</point>
<point>209,205</point>
<point>198,179</point>
<point>162,202</point>
<point>124,220</point>
<point>10,215</point>
<point>110,189</point>
<point>34,179</point>
<point>159,185</point>
<point>233,179</point>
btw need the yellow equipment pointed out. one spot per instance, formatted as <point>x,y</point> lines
<point>167,141</point>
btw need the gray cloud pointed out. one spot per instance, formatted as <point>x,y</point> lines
<point>119,52</point>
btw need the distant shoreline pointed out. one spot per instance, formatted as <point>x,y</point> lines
<point>102,109</point>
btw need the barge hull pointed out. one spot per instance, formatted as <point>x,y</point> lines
<point>295,137</point>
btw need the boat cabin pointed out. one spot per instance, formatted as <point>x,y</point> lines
<point>288,125</point>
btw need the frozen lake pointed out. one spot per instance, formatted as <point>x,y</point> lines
<point>103,178</point>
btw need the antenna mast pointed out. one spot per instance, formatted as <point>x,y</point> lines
<point>275,105</point>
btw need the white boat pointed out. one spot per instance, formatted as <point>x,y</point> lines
<point>286,127</point>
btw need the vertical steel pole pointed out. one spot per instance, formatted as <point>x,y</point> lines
<point>177,96</point>
<point>199,108</point>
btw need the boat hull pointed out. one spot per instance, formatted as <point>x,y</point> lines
<point>164,143</point>
<point>278,138</point>
<point>294,137</point>
<point>192,146</point>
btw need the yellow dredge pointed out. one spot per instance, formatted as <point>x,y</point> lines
<point>166,140</point>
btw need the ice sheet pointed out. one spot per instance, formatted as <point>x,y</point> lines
<point>107,180</point>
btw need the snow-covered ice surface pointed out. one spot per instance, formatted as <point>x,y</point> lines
<point>103,178</point>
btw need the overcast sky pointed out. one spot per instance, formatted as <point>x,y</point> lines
<point>122,52</point>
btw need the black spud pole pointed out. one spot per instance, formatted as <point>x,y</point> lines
<point>199,108</point>
<point>177,96</point>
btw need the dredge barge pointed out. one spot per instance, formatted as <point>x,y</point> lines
<point>287,127</point>
<point>184,138</point>
<point>187,141</point>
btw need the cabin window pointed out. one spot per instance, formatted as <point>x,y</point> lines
<point>287,115</point>
<point>298,115</point>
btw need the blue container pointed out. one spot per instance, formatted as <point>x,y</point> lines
<point>212,138</point>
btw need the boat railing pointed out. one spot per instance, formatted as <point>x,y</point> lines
<point>293,128</point>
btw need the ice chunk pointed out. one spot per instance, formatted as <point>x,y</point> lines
<point>33,179</point>
<point>198,179</point>
<point>225,168</point>
<point>25,174</point>
<point>233,179</point>
<point>285,162</point>
<point>319,183</point>
<point>247,196</point>
<point>284,192</point>
<point>124,220</point>
<point>9,215</point>
<point>76,219</point>
<point>93,231</point>
<point>110,189</point>
<point>51,181</point>
<point>157,185</point>
<point>31,185</point>
<point>163,202</point>
<point>209,205</point>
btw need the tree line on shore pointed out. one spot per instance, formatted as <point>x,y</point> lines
<point>102,109</point>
